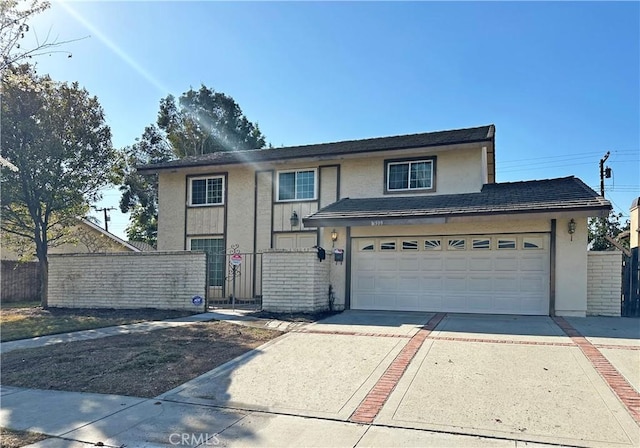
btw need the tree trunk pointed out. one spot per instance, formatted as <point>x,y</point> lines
<point>43,274</point>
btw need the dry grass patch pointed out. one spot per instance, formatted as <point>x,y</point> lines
<point>141,365</point>
<point>22,322</point>
<point>16,439</point>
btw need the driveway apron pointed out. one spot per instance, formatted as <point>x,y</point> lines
<point>507,377</point>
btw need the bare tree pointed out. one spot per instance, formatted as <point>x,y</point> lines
<point>14,27</point>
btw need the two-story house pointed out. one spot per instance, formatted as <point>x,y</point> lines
<point>423,224</point>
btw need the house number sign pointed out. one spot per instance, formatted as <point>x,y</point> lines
<point>377,223</point>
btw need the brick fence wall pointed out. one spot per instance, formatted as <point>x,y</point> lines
<point>19,281</point>
<point>604,283</point>
<point>128,280</point>
<point>295,281</point>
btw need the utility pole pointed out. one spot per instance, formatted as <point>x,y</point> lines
<point>604,172</point>
<point>106,216</point>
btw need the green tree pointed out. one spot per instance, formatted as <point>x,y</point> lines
<point>205,121</point>
<point>608,226</point>
<point>56,135</point>
<point>140,193</point>
<point>14,15</point>
<point>200,122</point>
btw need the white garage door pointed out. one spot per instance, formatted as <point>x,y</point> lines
<point>503,274</point>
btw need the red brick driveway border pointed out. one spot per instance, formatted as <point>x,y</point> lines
<point>620,386</point>
<point>367,411</point>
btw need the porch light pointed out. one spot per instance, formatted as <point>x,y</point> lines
<point>572,228</point>
<point>294,219</point>
<point>334,237</point>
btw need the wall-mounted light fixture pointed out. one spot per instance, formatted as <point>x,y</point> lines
<point>334,236</point>
<point>294,219</point>
<point>572,228</point>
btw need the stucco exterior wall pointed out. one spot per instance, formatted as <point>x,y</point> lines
<point>571,269</point>
<point>171,211</point>
<point>163,280</point>
<point>240,208</point>
<point>458,171</point>
<point>295,281</point>
<point>604,283</point>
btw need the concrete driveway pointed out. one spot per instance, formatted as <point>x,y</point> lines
<point>526,378</point>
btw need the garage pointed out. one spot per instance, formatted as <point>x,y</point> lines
<point>500,274</point>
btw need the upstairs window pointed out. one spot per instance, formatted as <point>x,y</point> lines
<point>412,175</point>
<point>297,185</point>
<point>206,190</point>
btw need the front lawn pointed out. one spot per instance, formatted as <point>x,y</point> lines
<point>141,365</point>
<point>22,321</point>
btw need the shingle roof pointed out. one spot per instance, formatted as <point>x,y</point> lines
<point>563,194</point>
<point>144,247</point>
<point>468,135</point>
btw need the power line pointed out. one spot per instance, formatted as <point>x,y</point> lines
<point>573,156</point>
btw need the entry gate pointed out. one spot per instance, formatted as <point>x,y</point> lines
<point>242,282</point>
<point>631,285</point>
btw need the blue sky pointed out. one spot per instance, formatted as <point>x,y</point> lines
<point>561,81</point>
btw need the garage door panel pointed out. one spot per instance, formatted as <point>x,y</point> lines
<point>386,283</point>
<point>506,284</point>
<point>536,264</point>
<point>489,279</point>
<point>457,263</point>
<point>387,263</point>
<point>429,283</point>
<point>481,264</point>
<point>365,282</point>
<point>409,263</point>
<point>456,303</point>
<point>407,283</point>
<point>457,283</point>
<point>366,263</point>
<point>505,264</point>
<point>409,302</point>
<point>431,263</point>
<point>532,284</point>
<point>480,284</point>
<point>480,303</point>
<point>533,305</point>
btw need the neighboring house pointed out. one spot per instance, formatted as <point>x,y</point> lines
<point>19,279</point>
<point>84,237</point>
<point>423,224</point>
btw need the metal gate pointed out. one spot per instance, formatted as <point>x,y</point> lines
<point>631,285</point>
<point>242,283</point>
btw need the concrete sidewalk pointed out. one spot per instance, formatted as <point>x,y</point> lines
<point>83,420</point>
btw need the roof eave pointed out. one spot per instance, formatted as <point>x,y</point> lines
<point>345,221</point>
<point>151,169</point>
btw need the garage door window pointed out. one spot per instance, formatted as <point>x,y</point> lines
<point>432,245</point>
<point>484,243</point>
<point>388,245</point>
<point>366,245</point>
<point>410,245</point>
<point>457,245</point>
<point>506,244</point>
<point>532,243</point>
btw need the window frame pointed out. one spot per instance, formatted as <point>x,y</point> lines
<point>408,161</point>
<point>296,171</point>
<point>190,180</point>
